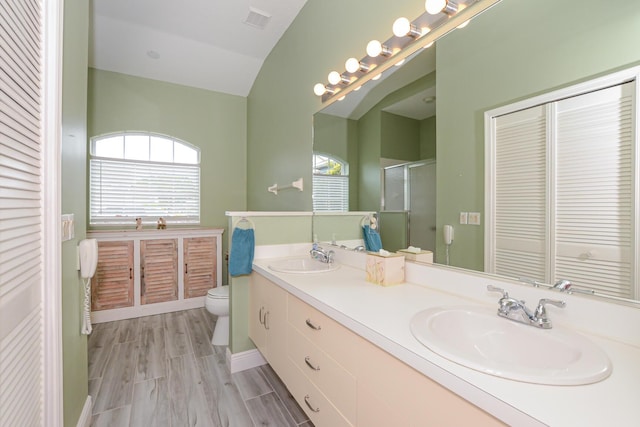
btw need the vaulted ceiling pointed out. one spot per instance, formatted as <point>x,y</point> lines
<point>218,45</point>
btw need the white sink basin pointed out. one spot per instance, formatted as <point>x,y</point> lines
<point>301,265</point>
<point>478,339</point>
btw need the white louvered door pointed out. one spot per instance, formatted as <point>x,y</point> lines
<point>22,318</point>
<point>563,200</point>
<point>594,207</point>
<point>520,217</point>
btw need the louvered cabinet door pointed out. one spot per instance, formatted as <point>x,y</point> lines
<point>200,255</point>
<point>112,285</point>
<point>158,270</point>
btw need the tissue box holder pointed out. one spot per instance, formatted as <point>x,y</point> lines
<point>385,271</point>
<point>422,256</point>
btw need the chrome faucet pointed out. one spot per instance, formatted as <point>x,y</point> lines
<point>321,255</point>
<point>516,310</point>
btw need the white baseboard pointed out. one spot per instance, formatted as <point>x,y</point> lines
<point>85,416</point>
<point>242,361</point>
<point>146,310</point>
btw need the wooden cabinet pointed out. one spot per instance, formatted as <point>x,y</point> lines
<point>153,271</point>
<point>340,379</point>
<point>158,270</point>
<point>112,285</point>
<point>199,266</point>
<point>268,320</point>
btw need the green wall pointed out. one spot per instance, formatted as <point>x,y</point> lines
<point>428,138</point>
<point>269,230</point>
<point>400,137</point>
<point>73,181</point>
<point>516,50</point>
<point>281,103</point>
<point>214,122</point>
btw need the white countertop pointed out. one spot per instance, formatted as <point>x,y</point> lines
<point>382,315</point>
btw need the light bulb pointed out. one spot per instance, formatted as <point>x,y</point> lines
<point>433,7</point>
<point>401,27</point>
<point>352,65</point>
<point>319,89</point>
<point>374,48</point>
<point>334,77</point>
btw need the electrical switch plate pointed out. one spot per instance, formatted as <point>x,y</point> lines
<point>474,218</point>
<point>68,225</point>
<point>464,217</point>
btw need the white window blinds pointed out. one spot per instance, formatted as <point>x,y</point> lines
<point>21,217</point>
<point>330,193</point>
<point>121,190</point>
<point>563,196</point>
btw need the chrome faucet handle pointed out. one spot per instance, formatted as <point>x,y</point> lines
<point>562,285</point>
<point>492,288</point>
<point>540,315</point>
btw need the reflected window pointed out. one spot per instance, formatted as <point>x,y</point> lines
<point>143,175</point>
<point>330,183</point>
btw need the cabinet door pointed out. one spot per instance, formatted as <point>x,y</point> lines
<point>158,270</point>
<point>276,326</point>
<point>257,311</point>
<point>200,255</point>
<point>112,285</point>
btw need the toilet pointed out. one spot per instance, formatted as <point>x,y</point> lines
<point>217,303</point>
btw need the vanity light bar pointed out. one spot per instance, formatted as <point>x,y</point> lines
<point>408,38</point>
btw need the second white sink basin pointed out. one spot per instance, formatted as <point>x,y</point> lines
<point>478,339</point>
<point>302,265</point>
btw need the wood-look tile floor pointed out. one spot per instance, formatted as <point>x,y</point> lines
<point>163,371</point>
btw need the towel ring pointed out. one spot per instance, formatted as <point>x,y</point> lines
<point>369,220</point>
<point>244,220</point>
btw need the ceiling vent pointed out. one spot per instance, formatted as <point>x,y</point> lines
<point>257,18</point>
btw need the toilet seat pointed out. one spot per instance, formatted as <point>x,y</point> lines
<point>220,292</point>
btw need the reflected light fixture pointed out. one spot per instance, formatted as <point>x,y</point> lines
<point>319,89</point>
<point>335,78</point>
<point>433,7</point>
<point>352,65</point>
<point>465,23</point>
<point>375,48</point>
<point>402,27</point>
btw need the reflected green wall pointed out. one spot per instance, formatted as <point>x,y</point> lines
<point>281,102</point>
<point>516,50</point>
<point>400,137</point>
<point>214,122</point>
<point>73,181</point>
<point>428,138</point>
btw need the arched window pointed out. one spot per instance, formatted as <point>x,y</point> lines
<point>142,174</point>
<point>330,183</point>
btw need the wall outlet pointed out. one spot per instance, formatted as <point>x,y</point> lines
<point>464,217</point>
<point>474,218</point>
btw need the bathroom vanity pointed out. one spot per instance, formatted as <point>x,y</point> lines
<point>345,350</point>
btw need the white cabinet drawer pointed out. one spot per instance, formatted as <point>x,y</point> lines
<point>335,382</point>
<point>334,339</point>
<point>320,411</point>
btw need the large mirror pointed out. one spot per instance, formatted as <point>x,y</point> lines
<point>516,50</point>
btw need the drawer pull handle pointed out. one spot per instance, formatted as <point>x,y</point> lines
<point>307,360</point>
<point>266,320</point>
<point>306,400</point>
<point>312,326</point>
<point>260,316</point>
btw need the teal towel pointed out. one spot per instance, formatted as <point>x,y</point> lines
<point>372,241</point>
<point>242,247</point>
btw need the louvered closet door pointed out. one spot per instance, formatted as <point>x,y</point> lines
<point>594,180</point>
<point>200,255</point>
<point>112,285</point>
<point>520,194</point>
<point>158,270</point>
<point>21,218</point>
